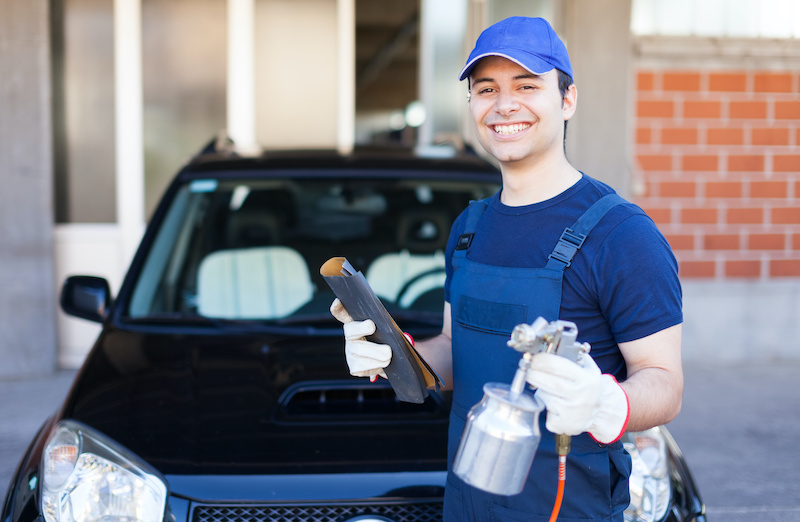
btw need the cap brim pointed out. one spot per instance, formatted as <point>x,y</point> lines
<point>534,64</point>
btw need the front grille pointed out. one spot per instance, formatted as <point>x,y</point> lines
<point>424,511</point>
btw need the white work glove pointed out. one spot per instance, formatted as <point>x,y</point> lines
<point>579,398</point>
<point>364,358</point>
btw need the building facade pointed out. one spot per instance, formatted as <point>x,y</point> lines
<point>685,108</point>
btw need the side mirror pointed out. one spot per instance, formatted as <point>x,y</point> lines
<point>86,297</point>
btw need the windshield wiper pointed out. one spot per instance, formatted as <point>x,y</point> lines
<point>174,318</point>
<point>427,318</point>
<point>232,325</point>
<point>411,316</point>
<point>325,318</point>
<point>312,320</point>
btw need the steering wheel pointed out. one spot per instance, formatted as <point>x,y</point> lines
<point>422,275</point>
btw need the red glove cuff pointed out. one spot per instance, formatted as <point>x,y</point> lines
<point>627,416</point>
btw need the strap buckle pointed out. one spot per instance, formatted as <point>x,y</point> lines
<point>568,245</point>
<point>464,241</point>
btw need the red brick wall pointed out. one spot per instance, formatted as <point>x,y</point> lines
<point>718,169</point>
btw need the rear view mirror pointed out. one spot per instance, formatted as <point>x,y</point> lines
<point>86,297</point>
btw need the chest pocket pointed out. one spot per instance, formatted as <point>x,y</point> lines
<point>489,317</point>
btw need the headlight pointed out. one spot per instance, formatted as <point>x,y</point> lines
<point>87,477</point>
<point>649,482</point>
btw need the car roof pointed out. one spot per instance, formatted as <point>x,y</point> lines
<point>361,160</point>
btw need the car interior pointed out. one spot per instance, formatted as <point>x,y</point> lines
<point>251,249</point>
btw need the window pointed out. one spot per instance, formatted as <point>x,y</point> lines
<point>725,18</point>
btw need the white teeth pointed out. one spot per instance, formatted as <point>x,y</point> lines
<point>511,129</point>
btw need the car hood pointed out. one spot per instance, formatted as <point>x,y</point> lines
<point>250,404</point>
<point>302,488</point>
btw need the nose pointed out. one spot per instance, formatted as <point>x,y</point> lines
<point>506,102</point>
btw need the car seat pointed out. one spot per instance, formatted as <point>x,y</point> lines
<point>261,220</point>
<point>253,283</point>
<point>417,270</point>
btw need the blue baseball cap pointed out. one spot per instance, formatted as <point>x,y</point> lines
<point>529,42</point>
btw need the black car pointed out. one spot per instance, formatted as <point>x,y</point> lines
<point>218,389</point>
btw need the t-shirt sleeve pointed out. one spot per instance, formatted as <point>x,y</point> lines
<point>637,280</point>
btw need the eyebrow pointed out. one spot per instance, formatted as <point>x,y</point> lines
<point>526,76</point>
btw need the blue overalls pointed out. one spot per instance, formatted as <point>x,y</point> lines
<point>487,302</point>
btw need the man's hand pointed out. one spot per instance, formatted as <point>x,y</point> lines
<point>579,398</point>
<point>364,358</point>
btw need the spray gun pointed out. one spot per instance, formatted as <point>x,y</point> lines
<point>558,337</point>
<point>501,433</point>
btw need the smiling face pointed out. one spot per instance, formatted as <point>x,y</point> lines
<point>519,116</point>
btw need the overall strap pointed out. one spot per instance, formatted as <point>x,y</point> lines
<point>573,237</point>
<point>476,210</point>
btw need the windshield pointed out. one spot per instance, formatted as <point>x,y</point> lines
<point>250,250</point>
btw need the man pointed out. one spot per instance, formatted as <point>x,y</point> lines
<point>536,249</point>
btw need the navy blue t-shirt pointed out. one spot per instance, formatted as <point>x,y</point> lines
<point>623,283</point>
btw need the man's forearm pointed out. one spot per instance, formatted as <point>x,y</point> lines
<point>655,378</point>
<point>655,398</point>
<point>437,352</point>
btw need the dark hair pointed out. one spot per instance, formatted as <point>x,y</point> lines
<point>564,81</point>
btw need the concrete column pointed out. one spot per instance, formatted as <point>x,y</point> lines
<point>442,27</point>
<point>598,38</point>
<point>27,300</point>
<point>129,129</point>
<point>297,73</point>
<point>346,74</point>
<point>241,74</point>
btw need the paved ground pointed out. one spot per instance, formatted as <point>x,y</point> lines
<point>738,430</point>
<point>24,405</point>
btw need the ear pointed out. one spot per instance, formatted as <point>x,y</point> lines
<point>570,102</point>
